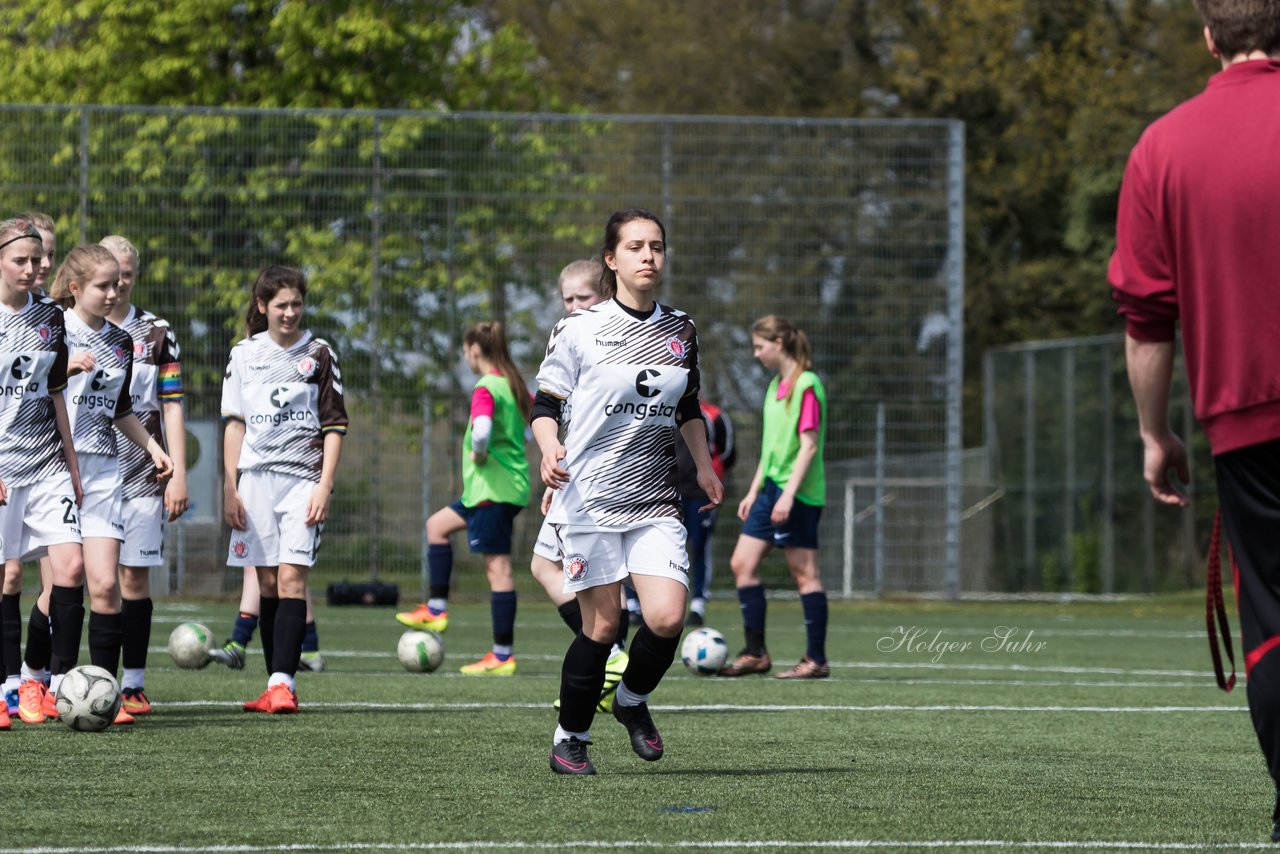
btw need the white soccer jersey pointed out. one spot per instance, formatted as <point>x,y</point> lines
<point>627,377</point>
<point>33,365</point>
<point>287,399</point>
<point>96,398</point>
<point>157,379</point>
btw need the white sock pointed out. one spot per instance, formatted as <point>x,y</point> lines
<point>134,678</point>
<point>564,735</point>
<point>54,681</point>
<point>627,697</point>
<point>438,605</point>
<point>699,606</point>
<point>41,675</point>
<point>503,649</point>
<point>616,651</point>
<point>280,679</point>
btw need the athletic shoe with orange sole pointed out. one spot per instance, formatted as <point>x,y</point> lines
<point>49,705</point>
<point>277,700</point>
<point>135,702</point>
<point>490,665</point>
<point>806,669</point>
<point>424,618</point>
<point>123,718</point>
<point>31,694</point>
<point>5,723</point>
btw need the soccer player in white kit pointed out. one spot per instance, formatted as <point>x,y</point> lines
<point>100,370</point>
<point>156,394</point>
<point>282,401</point>
<point>632,367</point>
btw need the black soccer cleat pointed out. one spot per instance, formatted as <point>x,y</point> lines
<point>645,740</point>
<point>570,757</point>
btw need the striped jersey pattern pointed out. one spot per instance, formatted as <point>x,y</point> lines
<point>288,399</point>
<point>96,398</point>
<point>33,365</point>
<point>157,379</point>
<point>626,377</point>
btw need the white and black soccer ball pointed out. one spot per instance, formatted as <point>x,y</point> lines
<point>704,651</point>
<point>88,698</point>
<point>420,651</point>
<point>190,645</point>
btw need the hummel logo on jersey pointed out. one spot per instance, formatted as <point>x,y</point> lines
<point>257,368</point>
<point>642,388</point>
<point>617,342</point>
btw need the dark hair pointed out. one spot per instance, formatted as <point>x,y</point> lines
<point>271,280</point>
<point>1242,26</point>
<point>794,343</point>
<point>612,234</point>
<point>79,266</point>
<point>492,341</point>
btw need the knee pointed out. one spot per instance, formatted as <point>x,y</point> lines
<point>666,622</point>
<point>135,582</point>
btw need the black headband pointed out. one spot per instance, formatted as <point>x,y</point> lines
<point>31,232</point>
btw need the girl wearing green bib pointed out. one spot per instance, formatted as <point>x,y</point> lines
<point>495,488</point>
<point>784,504</point>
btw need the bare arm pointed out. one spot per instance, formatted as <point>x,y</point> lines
<point>322,495</point>
<point>744,506</point>
<point>694,432</point>
<point>1150,366</point>
<point>133,430</point>
<point>232,442</point>
<point>68,449</point>
<point>175,434</point>
<point>804,458</point>
<point>546,432</point>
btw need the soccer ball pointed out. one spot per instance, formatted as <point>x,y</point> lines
<point>704,651</point>
<point>88,698</point>
<point>190,645</point>
<point>420,652</point>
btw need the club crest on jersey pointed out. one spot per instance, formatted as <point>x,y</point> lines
<point>575,567</point>
<point>139,349</point>
<point>44,333</point>
<point>307,367</point>
<point>240,548</point>
<point>119,352</point>
<point>676,347</point>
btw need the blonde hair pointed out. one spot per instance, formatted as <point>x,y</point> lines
<point>493,346</point>
<point>119,245</point>
<point>794,342</point>
<point>40,220</point>
<point>79,266</point>
<point>587,268</point>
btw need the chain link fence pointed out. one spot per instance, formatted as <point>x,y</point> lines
<point>412,226</point>
<point>1073,513</point>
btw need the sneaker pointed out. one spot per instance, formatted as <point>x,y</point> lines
<point>276,700</point>
<point>747,663</point>
<point>693,620</point>
<point>424,618</point>
<point>11,701</point>
<point>31,701</point>
<point>613,670</point>
<point>312,662</point>
<point>135,702</point>
<point>645,740</point>
<point>490,665</point>
<point>49,705</point>
<point>806,669</point>
<point>123,718</point>
<point>570,757</point>
<point>231,654</point>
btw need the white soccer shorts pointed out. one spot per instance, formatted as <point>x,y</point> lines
<point>143,531</point>
<point>593,557</point>
<point>101,512</point>
<point>37,516</point>
<point>547,545</point>
<point>275,509</point>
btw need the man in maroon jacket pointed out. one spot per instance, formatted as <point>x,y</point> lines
<point>1198,242</point>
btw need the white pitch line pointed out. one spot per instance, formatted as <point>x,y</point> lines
<point>634,844</point>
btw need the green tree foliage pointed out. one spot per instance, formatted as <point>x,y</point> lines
<point>1053,94</point>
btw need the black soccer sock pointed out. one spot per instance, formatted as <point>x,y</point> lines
<point>106,633</point>
<point>10,634</point>
<point>581,681</point>
<point>439,570</point>
<point>650,657</point>
<point>267,608</point>
<point>502,611</point>
<point>571,613</point>
<point>624,625</point>
<point>290,626</point>
<point>814,606</point>
<point>137,632</point>
<point>38,639</point>
<point>66,622</point>
<point>311,638</point>
<point>242,631</point>
<point>752,602</point>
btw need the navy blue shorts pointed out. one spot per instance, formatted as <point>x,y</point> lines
<point>801,530</point>
<point>488,526</point>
